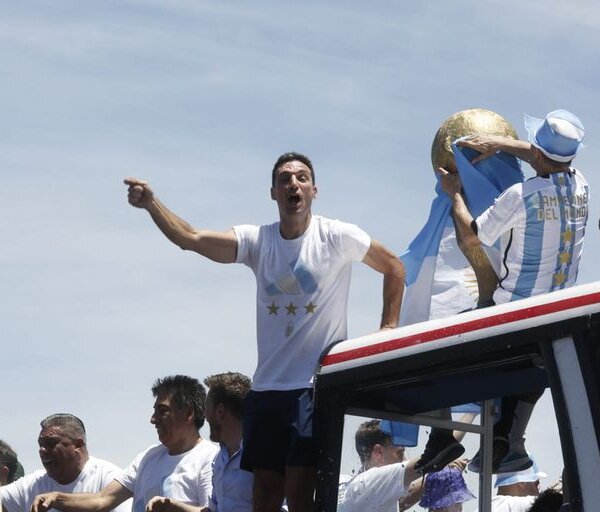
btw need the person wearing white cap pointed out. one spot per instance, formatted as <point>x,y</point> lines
<point>540,224</point>
<point>518,490</point>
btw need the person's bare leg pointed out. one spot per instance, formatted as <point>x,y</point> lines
<point>268,491</point>
<point>300,488</point>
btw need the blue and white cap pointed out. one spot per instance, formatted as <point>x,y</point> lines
<point>559,136</point>
<point>532,474</point>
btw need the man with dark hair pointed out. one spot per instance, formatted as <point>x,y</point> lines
<point>174,475</point>
<point>68,466</point>
<point>8,464</point>
<point>302,265</point>
<point>185,393</point>
<point>384,480</point>
<point>232,486</point>
<point>373,445</point>
<point>549,500</point>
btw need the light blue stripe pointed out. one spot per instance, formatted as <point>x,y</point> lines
<point>587,194</point>
<point>532,246</point>
<point>482,183</point>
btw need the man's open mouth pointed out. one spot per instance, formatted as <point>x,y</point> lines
<point>294,199</point>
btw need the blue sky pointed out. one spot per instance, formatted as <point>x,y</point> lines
<point>199,98</point>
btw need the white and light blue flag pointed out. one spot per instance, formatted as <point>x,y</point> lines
<point>439,280</point>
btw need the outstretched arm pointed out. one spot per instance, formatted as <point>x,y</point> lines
<point>215,245</point>
<point>162,504</point>
<point>108,498</point>
<point>386,262</point>
<point>487,145</point>
<point>452,186</point>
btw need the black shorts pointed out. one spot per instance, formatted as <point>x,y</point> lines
<point>278,430</point>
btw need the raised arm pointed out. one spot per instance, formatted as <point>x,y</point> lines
<point>107,499</point>
<point>452,186</point>
<point>387,263</point>
<point>215,245</point>
<point>487,145</point>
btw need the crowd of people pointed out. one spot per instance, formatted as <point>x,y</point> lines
<point>265,458</point>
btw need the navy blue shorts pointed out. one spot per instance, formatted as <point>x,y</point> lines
<point>277,430</point>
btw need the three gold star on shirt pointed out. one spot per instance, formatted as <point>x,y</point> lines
<point>291,308</point>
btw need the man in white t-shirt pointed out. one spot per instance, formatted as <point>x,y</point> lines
<point>541,226</point>
<point>174,476</point>
<point>517,491</point>
<point>385,480</point>
<point>68,466</point>
<point>302,266</point>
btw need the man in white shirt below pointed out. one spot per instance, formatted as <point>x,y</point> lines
<point>68,466</point>
<point>385,477</point>
<point>518,490</point>
<point>173,476</point>
<point>302,265</point>
<point>232,486</point>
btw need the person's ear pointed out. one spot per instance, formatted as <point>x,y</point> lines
<point>273,193</point>
<point>378,451</point>
<point>3,475</point>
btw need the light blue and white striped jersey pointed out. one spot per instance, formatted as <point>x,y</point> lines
<point>541,224</point>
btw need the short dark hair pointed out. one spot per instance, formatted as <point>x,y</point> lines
<point>8,458</point>
<point>70,424</point>
<point>367,436</point>
<point>290,157</point>
<point>229,389</point>
<point>184,392</point>
<point>549,500</point>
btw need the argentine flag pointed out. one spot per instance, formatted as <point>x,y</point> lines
<point>439,280</point>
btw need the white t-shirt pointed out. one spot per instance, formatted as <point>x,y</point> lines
<point>375,490</point>
<point>185,477</point>
<point>503,503</point>
<point>541,225</point>
<point>302,295</point>
<point>95,475</point>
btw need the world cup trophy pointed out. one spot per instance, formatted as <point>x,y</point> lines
<point>474,121</point>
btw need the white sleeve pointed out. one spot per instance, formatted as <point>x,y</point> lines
<point>352,242</point>
<point>128,477</point>
<point>13,496</point>
<point>501,216</point>
<point>204,480</point>
<point>375,488</point>
<point>246,236</point>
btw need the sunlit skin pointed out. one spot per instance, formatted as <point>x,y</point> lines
<point>393,454</point>
<point>63,458</point>
<point>294,191</point>
<point>210,413</point>
<point>172,426</point>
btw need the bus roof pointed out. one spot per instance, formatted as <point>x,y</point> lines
<point>473,325</point>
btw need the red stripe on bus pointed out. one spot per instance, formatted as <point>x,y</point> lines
<point>453,330</point>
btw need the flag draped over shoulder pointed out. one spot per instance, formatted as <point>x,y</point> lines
<point>439,280</point>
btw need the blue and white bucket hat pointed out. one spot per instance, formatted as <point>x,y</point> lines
<point>559,135</point>
<point>532,474</point>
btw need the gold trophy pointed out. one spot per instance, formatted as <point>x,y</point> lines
<point>474,121</point>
